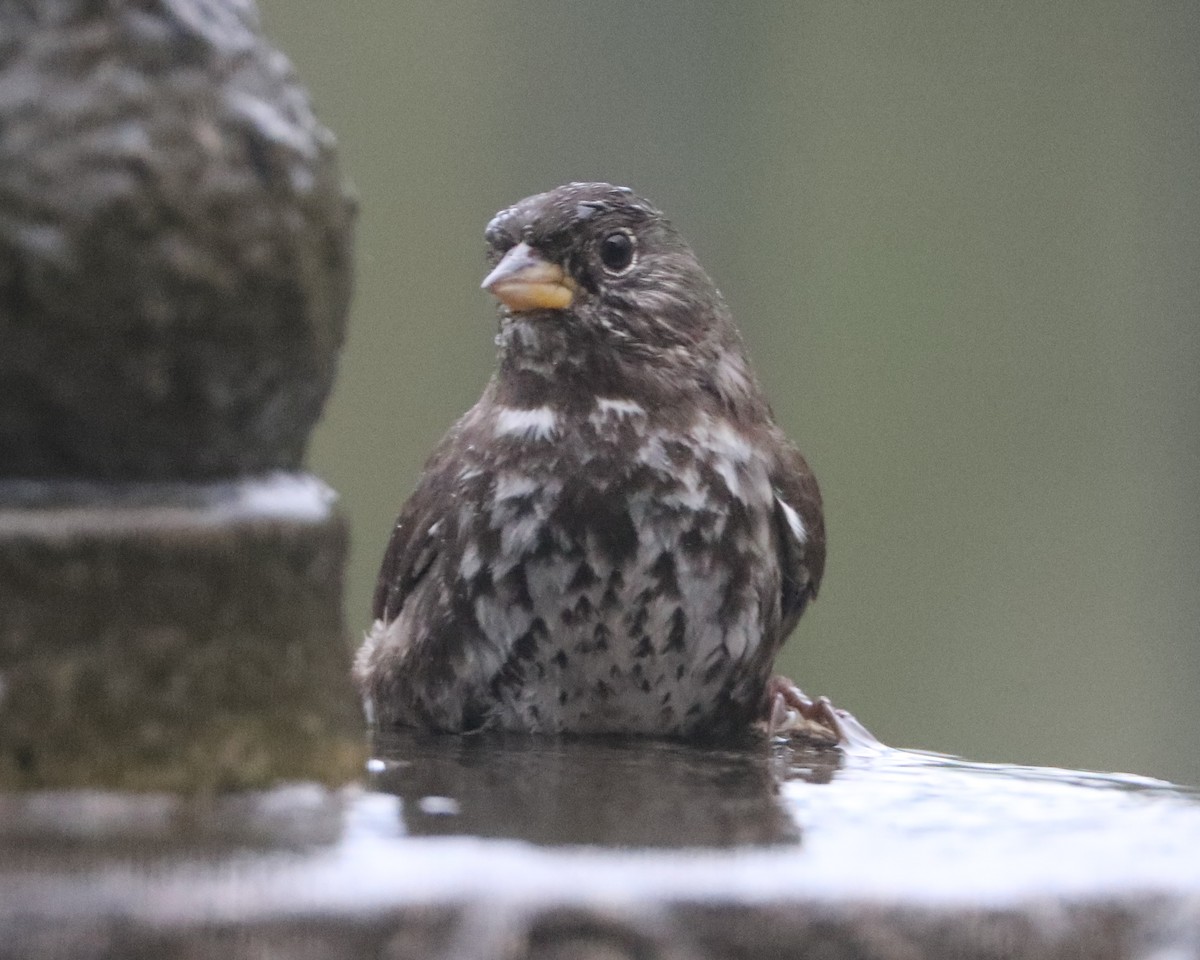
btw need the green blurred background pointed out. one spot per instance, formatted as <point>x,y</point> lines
<point>962,242</point>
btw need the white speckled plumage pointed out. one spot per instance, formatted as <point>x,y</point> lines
<point>616,538</point>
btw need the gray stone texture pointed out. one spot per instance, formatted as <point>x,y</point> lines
<point>174,243</point>
<point>184,636</point>
<point>505,848</point>
<point>175,270</point>
<point>1038,930</point>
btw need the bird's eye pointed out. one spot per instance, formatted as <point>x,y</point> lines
<point>616,251</point>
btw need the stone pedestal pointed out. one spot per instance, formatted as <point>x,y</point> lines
<point>174,636</point>
<point>175,268</point>
<point>175,244</point>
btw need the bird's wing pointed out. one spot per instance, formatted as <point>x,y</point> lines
<point>800,528</point>
<point>419,532</point>
<point>410,553</point>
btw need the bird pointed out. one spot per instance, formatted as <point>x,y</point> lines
<point>617,538</point>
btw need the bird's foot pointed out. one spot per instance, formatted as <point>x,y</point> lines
<point>789,710</point>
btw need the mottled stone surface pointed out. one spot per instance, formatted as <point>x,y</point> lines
<point>482,848</point>
<point>174,243</point>
<point>181,636</point>
<point>175,260</point>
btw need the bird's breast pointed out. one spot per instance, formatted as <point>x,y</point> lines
<point>618,564</point>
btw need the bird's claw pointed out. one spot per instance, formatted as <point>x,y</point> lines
<point>791,711</point>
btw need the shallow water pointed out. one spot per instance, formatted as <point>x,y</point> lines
<point>863,819</point>
<point>525,819</point>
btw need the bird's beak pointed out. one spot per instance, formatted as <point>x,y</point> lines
<point>524,280</point>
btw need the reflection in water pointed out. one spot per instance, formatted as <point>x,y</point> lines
<point>608,821</point>
<point>867,814</point>
<point>616,792</point>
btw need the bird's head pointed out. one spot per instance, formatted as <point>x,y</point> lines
<point>605,265</point>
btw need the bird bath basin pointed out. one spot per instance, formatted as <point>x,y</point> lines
<point>462,847</point>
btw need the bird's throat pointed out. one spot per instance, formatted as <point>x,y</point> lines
<point>547,342</point>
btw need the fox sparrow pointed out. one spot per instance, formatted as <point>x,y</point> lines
<point>616,537</point>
